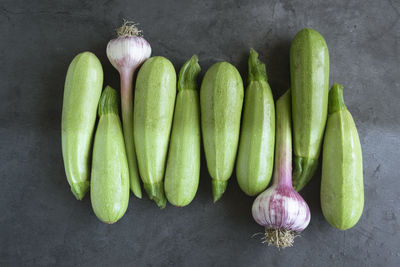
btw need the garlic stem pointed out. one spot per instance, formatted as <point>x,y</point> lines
<point>283,145</point>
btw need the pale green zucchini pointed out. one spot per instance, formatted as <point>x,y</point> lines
<point>221,100</point>
<point>309,73</point>
<point>342,189</point>
<point>257,134</point>
<point>152,119</point>
<point>82,92</point>
<point>183,164</point>
<point>109,189</point>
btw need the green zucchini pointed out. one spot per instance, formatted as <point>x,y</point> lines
<point>257,135</point>
<point>109,187</point>
<point>183,164</point>
<point>152,118</point>
<point>309,73</point>
<point>82,92</point>
<point>342,189</point>
<point>221,100</point>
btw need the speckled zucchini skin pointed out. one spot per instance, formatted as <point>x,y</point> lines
<point>183,164</point>
<point>153,110</point>
<point>342,189</point>
<point>109,187</point>
<point>221,100</point>
<point>82,92</point>
<point>257,134</point>
<point>309,73</point>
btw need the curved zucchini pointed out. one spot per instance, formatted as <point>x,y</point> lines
<point>82,92</point>
<point>109,187</point>
<point>257,134</point>
<point>342,189</point>
<point>221,100</point>
<point>152,119</point>
<point>309,73</point>
<point>183,164</point>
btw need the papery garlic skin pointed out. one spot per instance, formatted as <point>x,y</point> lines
<point>128,52</point>
<point>281,207</point>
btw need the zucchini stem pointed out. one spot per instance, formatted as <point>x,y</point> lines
<point>257,71</point>
<point>303,171</point>
<point>156,192</point>
<point>80,189</point>
<point>218,189</point>
<point>336,101</point>
<point>188,74</point>
<point>108,101</point>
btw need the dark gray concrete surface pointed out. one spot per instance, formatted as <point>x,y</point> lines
<point>42,224</point>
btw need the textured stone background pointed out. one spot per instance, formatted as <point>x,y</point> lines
<point>42,224</point>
